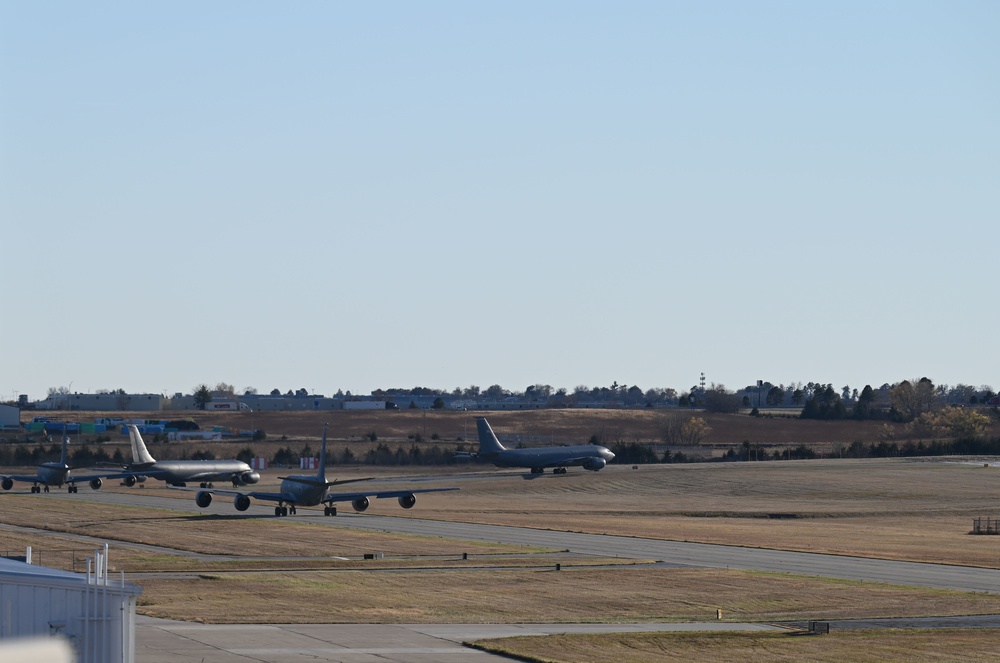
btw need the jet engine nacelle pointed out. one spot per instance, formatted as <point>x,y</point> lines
<point>203,498</point>
<point>96,483</point>
<point>7,483</point>
<point>242,502</point>
<point>594,464</point>
<point>248,477</point>
<point>360,504</point>
<point>407,501</point>
<point>133,479</point>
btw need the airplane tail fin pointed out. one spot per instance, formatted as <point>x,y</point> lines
<point>488,442</point>
<point>139,452</point>
<point>65,448</point>
<point>322,456</point>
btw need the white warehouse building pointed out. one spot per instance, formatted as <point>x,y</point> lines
<point>94,613</point>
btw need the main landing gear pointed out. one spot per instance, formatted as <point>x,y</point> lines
<point>282,510</point>
<point>330,510</point>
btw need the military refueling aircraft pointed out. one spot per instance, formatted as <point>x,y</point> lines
<point>56,474</point>
<point>587,456</point>
<point>310,490</point>
<point>179,472</point>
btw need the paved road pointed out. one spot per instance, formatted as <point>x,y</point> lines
<point>164,641</point>
<point>963,621</point>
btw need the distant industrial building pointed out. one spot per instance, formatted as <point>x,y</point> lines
<point>230,403</point>
<point>103,402</point>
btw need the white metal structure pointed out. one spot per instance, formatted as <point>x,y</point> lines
<point>94,613</point>
<point>10,417</point>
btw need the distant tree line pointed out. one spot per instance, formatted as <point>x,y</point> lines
<point>819,400</point>
<point>36,454</point>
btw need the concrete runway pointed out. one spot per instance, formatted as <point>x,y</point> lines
<point>164,641</point>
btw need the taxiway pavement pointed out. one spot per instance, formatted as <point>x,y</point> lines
<point>165,641</point>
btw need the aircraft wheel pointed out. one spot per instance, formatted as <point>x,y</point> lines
<point>291,510</point>
<point>46,489</point>
<point>277,511</point>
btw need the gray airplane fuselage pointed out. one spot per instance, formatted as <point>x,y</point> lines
<point>54,474</point>
<point>306,489</point>
<point>588,456</point>
<point>180,472</point>
<point>581,455</point>
<point>176,472</point>
<point>310,490</point>
<point>46,474</point>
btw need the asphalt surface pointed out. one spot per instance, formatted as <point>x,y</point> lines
<point>164,641</point>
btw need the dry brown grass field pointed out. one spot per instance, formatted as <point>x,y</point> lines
<point>918,510</point>
<point>959,646</point>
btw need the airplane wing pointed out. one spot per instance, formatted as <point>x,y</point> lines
<point>378,494</point>
<point>80,478</point>
<point>330,497</point>
<point>359,500</point>
<point>312,481</point>
<point>257,495</point>
<point>265,497</point>
<point>23,477</point>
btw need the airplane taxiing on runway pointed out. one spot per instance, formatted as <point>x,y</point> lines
<point>180,472</point>
<point>588,456</point>
<point>56,474</point>
<point>310,490</point>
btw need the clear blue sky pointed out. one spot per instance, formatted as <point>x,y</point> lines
<point>334,195</point>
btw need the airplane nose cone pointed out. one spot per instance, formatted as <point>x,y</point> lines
<point>608,455</point>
